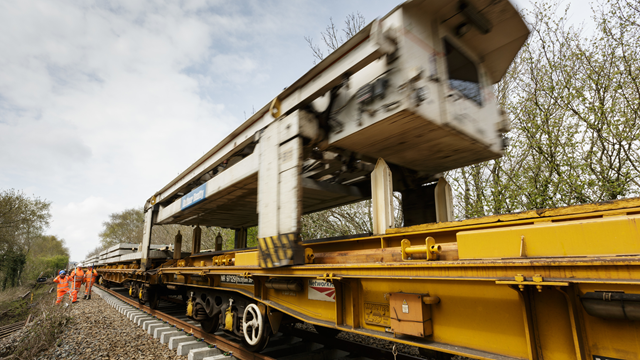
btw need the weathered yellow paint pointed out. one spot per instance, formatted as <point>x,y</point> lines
<point>568,212</point>
<point>300,302</point>
<point>614,338</point>
<point>482,316</point>
<point>189,307</point>
<point>482,312</point>
<point>228,319</point>
<point>430,250</point>
<point>617,235</point>
<point>553,324</point>
<point>249,258</point>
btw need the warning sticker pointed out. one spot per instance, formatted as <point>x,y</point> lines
<point>322,290</point>
<point>405,307</point>
<point>376,314</point>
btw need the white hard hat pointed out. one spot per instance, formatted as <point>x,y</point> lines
<point>79,265</point>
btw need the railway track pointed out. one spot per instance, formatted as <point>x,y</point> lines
<point>169,324</point>
<point>11,328</point>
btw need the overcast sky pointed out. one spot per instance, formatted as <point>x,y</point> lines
<point>102,103</point>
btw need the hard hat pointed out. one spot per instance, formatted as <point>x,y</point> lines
<point>79,265</point>
<point>62,272</point>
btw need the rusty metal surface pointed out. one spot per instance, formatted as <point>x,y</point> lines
<point>222,343</point>
<point>409,315</point>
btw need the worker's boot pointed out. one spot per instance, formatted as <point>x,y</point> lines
<point>88,297</point>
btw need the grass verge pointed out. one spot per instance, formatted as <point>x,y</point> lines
<point>13,309</point>
<point>47,324</point>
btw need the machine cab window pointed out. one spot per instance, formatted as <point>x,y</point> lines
<point>462,73</point>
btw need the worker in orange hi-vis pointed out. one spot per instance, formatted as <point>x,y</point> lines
<point>76,279</point>
<point>63,285</point>
<point>90,277</point>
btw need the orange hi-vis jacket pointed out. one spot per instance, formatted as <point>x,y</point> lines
<point>77,278</point>
<point>63,283</point>
<point>63,287</point>
<point>90,277</point>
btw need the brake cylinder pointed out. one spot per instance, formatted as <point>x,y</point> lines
<point>284,284</point>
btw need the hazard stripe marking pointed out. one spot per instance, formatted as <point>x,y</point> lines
<point>276,250</point>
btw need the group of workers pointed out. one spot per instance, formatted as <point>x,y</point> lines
<point>71,283</point>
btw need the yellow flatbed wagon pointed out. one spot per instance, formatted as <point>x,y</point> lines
<point>548,284</point>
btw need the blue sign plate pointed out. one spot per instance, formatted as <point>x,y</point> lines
<point>195,196</point>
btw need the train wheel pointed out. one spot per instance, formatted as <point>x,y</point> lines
<point>255,329</point>
<point>326,331</point>
<point>135,291</point>
<point>211,324</point>
<point>154,299</point>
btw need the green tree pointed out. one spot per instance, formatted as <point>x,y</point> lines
<point>574,104</point>
<point>23,220</point>
<point>48,255</point>
<point>95,251</point>
<point>123,227</point>
<point>12,261</point>
<point>49,245</point>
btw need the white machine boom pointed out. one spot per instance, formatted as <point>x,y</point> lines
<point>410,96</point>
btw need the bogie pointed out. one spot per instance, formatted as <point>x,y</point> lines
<point>255,329</point>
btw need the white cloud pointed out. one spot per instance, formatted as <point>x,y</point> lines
<point>80,223</point>
<point>95,104</point>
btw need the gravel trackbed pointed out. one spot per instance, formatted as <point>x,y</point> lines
<point>98,331</point>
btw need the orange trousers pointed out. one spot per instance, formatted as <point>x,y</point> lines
<point>74,296</point>
<point>74,291</point>
<point>61,294</point>
<point>87,288</point>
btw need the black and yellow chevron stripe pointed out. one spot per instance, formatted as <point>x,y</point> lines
<point>280,250</point>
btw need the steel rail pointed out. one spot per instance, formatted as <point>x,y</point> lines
<point>11,328</point>
<point>220,342</point>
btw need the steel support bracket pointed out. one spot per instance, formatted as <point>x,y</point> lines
<point>430,249</point>
<point>330,277</point>
<point>308,256</point>
<point>537,280</point>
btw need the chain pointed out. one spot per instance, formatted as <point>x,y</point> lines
<point>394,352</point>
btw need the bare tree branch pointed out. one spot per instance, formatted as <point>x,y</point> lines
<point>331,39</point>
